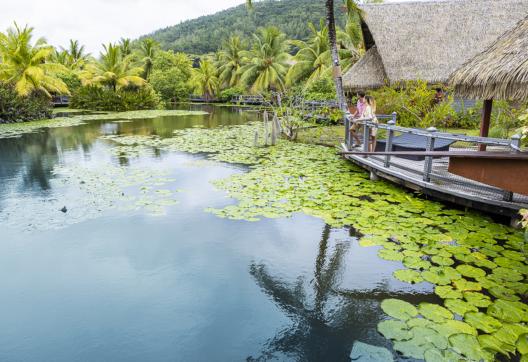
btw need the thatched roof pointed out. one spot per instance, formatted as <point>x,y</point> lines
<point>500,72</point>
<point>368,72</point>
<point>429,40</point>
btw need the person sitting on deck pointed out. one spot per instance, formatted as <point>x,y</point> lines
<point>360,109</point>
<point>370,113</point>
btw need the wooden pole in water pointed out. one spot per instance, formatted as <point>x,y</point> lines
<point>486,118</point>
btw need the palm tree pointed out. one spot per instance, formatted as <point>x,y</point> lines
<point>125,45</point>
<point>352,8</point>
<point>312,61</point>
<point>204,79</point>
<point>74,58</point>
<point>148,48</point>
<point>25,64</point>
<point>113,70</point>
<point>231,59</point>
<point>267,61</point>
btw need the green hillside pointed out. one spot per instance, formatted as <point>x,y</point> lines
<point>205,34</point>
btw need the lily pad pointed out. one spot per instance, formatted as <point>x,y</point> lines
<point>434,312</point>
<point>464,285</point>
<point>435,355</point>
<point>508,311</point>
<point>440,275</point>
<point>510,333</point>
<point>363,352</point>
<point>399,309</point>
<point>469,346</point>
<point>390,255</point>
<point>415,262</point>
<point>394,329</point>
<point>447,292</point>
<point>453,326</point>
<point>459,307</point>
<point>482,321</point>
<point>522,344</point>
<point>470,271</point>
<point>408,276</point>
<point>411,349</point>
<point>504,293</point>
<point>491,343</point>
<point>477,299</point>
<point>441,260</point>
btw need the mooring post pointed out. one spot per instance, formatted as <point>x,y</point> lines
<point>266,131</point>
<point>515,147</point>
<point>390,136</point>
<point>428,165</point>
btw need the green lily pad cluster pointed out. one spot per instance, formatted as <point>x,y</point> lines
<point>87,192</point>
<point>17,129</point>
<point>431,332</point>
<point>478,267</point>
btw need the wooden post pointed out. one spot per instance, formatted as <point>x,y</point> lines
<point>428,164</point>
<point>485,123</point>
<point>515,146</point>
<point>366,137</point>
<point>388,144</point>
<point>347,132</point>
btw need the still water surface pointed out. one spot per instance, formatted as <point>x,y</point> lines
<point>110,284</point>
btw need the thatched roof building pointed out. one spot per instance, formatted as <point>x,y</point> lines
<point>428,40</point>
<point>500,72</point>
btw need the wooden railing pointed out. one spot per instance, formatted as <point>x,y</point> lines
<point>432,135</point>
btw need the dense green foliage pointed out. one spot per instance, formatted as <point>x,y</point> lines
<point>205,34</point>
<point>106,99</point>
<point>25,64</point>
<point>170,75</point>
<point>16,108</point>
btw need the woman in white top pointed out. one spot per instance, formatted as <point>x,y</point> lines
<point>370,112</point>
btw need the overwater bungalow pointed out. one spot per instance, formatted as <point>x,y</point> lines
<point>427,40</point>
<point>484,43</point>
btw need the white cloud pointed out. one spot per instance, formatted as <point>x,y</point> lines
<point>93,22</point>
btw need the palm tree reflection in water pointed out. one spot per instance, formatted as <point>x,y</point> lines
<point>325,321</point>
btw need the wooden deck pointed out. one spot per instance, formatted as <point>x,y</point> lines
<point>439,183</point>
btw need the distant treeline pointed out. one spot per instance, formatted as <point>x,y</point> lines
<point>206,34</point>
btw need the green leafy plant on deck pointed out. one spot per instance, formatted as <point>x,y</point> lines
<point>505,119</point>
<point>413,101</point>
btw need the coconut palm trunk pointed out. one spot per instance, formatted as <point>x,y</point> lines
<point>332,38</point>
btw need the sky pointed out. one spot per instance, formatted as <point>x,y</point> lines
<point>93,22</point>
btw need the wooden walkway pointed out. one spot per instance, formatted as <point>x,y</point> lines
<point>431,176</point>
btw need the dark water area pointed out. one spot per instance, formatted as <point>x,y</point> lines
<point>127,285</point>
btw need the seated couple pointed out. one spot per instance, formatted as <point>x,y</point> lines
<point>365,109</point>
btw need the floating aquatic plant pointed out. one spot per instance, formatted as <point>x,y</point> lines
<point>17,129</point>
<point>87,192</point>
<point>477,267</point>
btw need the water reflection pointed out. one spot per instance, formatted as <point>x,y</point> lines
<point>325,317</point>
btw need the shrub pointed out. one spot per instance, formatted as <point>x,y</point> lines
<point>227,94</point>
<point>171,84</point>
<point>413,103</point>
<point>104,99</point>
<point>14,108</point>
<point>71,80</point>
<point>321,90</point>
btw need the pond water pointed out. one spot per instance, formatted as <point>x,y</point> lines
<point>153,276</point>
